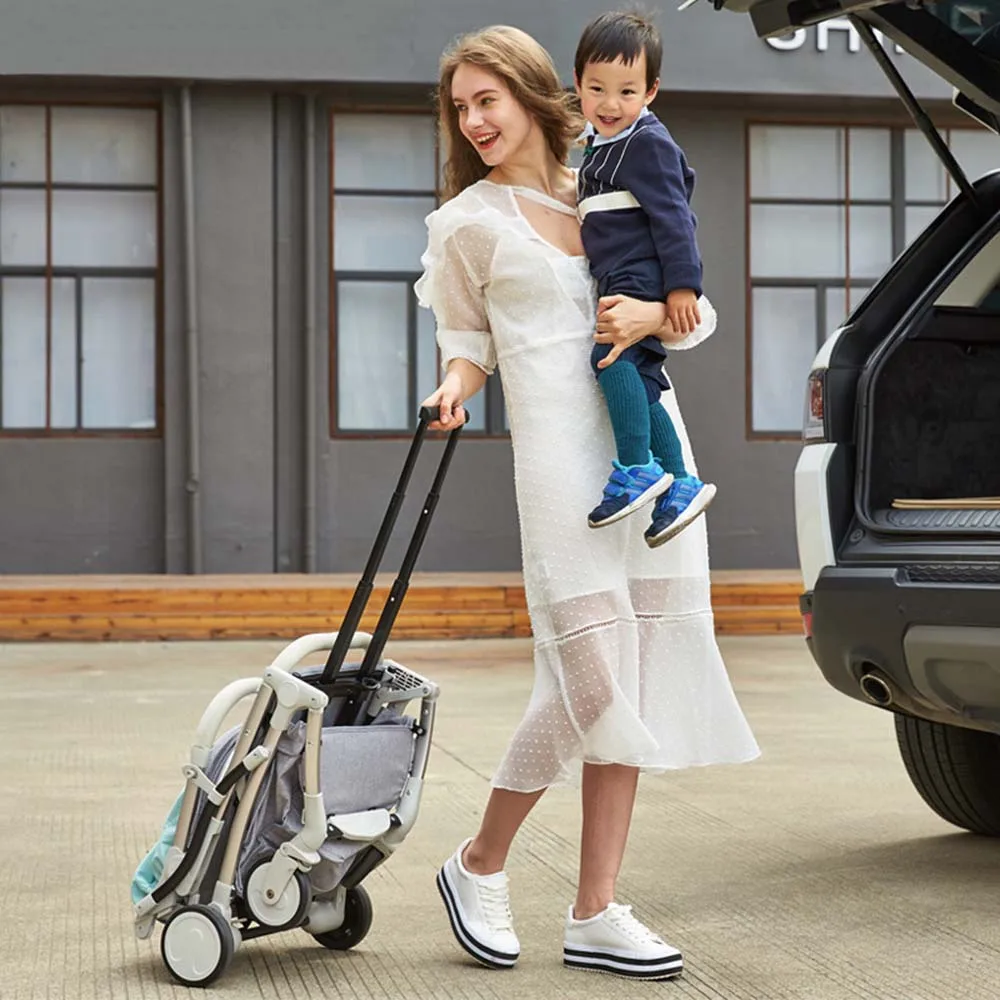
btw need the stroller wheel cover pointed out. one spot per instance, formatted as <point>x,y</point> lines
<point>197,945</point>
<point>288,910</point>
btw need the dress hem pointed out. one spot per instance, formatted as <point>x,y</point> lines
<point>653,769</point>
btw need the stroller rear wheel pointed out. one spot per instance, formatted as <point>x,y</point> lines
<point>197,945</point>
<point>288,910</point>
<point>357,922</point>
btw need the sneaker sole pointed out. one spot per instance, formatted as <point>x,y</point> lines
<point>654,491</point>
<point>695,509</point>
<point>624,968</point>
<point>489,957</point>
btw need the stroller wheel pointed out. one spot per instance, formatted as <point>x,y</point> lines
<point>357,922</point>
<point>197,945</point>
<point>288,910</point>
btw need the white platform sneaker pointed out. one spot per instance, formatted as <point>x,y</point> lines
<point>479,910</point>
<point>614,942</point>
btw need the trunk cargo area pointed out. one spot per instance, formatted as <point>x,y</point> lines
<point>936,426</point>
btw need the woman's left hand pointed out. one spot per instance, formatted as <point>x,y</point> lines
<point>623,321</point>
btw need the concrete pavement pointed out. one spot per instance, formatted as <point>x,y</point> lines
<point>815,872</point>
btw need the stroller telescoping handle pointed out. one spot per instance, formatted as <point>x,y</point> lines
<point>363,591</point>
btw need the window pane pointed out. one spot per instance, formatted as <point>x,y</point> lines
<point>104,145</point>
<point>22,351</point>
<point>871,240</point>
<point>784,345</point>
<point>476,410</point>
<point>429,374</point>
<point>22,227</point>
<point>918,218</point>
<point>119,353</point>
<point>871,163</point>
<point>63,352</point>
<point>839,305</point>
<point>925,177</point>
<point>372,356</point>
<point>22,143</point>
<point>977,150</point>
<point>789,161</point>
<point>379,234</point>
<point>104,228</point>
<point>393,152</point>
<point>797,241</point>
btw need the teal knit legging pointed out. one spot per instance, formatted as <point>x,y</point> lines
<point>640,427</point>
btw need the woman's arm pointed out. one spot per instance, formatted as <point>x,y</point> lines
<point>462,381</point>
<point>624,321</point>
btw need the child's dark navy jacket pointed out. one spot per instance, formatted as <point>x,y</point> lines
<point>622,242</point>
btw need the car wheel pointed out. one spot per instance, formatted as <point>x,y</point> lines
<point>954,770</point>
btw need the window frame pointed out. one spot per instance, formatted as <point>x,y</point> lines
<point>897,202</point>
<point>49,272</point>
<point>492,394</point>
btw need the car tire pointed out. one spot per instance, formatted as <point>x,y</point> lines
<point>955,771</point>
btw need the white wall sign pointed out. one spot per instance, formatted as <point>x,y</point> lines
<point>823,31</point>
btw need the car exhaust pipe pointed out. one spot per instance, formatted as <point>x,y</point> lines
<point>876,689</point>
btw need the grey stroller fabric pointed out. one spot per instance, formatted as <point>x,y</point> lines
<point>361,767</point>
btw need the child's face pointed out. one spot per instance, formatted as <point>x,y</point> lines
<point>613,94</point>
<point>489,116</point>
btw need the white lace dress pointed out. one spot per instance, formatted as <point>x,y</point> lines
<point>627,669</point>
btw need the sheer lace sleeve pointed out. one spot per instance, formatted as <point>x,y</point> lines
<point>456,265</point>
<point>704,330</point>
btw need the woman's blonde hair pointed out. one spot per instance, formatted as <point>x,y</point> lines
<point>529,73</point>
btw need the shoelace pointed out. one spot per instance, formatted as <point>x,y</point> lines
<point>620,916</point>
<point>495,904</point>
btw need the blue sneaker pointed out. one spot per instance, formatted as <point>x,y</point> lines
<point>677,508</point>
<point>628,489</point>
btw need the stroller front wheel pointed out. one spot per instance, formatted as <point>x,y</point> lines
<point>357,922</point>
<point>197,945</point>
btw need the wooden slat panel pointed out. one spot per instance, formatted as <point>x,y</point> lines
<point>284,606</point>
<point>333,602</point>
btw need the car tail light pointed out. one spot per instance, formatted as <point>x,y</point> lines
<point>807,624</point>
<point>814,428</point>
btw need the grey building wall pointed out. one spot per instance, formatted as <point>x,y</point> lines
<point>81,506</point>
<point>90,505</point>
<point>234,205</point>
<point>122,505</point>
<point>392,41</point>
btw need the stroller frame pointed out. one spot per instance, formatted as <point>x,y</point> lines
<point>205,915</point>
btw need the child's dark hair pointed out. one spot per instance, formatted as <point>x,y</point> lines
<point>624,35</point>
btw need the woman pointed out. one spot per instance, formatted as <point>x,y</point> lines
<point>628,675</point>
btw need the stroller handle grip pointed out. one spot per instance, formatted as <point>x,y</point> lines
<point>428,414</point>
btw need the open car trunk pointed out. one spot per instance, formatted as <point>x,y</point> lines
<point>935,426</point>
<point>928,428</point>
<point>958,39</point>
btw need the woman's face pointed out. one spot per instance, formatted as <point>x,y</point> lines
<point>488,114</point>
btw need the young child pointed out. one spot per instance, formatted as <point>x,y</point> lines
<point>634,194</point>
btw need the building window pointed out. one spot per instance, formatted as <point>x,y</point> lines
<point>79,269</point>
<point>830,208</point>
<point>384,184</point>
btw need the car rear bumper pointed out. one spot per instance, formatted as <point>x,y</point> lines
<point>929,636</point>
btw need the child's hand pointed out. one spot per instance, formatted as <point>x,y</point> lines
<point>447,396</point>
<point>682,310</point>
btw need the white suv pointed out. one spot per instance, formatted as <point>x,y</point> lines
<point>897,489</point>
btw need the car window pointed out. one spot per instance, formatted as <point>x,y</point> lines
<point>977,21</point>
<point>977,285</point>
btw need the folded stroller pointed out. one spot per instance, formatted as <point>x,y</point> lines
<point>283,817</point>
